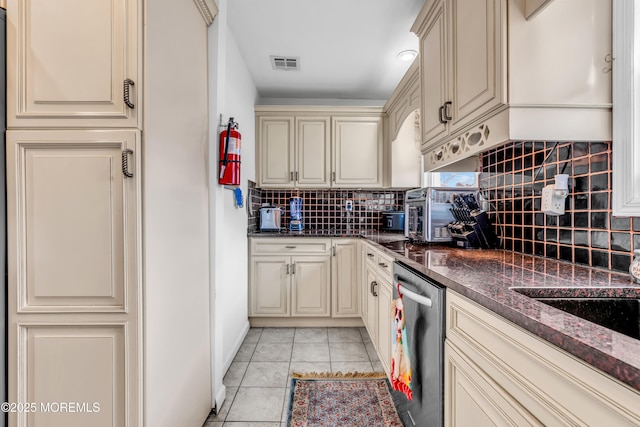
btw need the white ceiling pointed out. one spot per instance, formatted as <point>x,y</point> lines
<point>347,48</point>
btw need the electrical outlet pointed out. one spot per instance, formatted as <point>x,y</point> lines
<point>552,203</point>
<point>348,205</point>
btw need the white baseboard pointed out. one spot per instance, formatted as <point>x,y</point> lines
<point>236,346</point>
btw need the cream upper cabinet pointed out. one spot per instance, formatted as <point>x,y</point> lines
<point>345,292</point>
<point>313,152</point>
<point>276,151</point>
<point>66,71</point>
<point>433,70</point>
<point>73,222</point>
<point>294,151</point>
<point>460,67</point>
<point>489,74</point>
<point>403,131</point>
<point>316,147</point>
<point>357,151</point>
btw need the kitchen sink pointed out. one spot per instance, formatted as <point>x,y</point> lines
<point>618,314</point>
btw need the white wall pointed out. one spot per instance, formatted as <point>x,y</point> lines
<point>177,384</point>
<point>232,94</point>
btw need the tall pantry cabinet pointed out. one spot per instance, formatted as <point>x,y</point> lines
<point>90,298</point>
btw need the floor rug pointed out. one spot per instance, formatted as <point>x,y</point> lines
<point>341,400</point>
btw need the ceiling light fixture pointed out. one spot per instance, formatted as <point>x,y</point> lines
<point>407,55</point>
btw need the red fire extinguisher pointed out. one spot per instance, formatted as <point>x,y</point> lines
<point>229,170</point>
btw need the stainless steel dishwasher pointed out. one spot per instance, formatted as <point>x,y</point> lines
<point>424,314</point>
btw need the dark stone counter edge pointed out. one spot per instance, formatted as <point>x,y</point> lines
<point>627,373</point>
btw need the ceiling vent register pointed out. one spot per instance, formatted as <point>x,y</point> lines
<point>285,63</point>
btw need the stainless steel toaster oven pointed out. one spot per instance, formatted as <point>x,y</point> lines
<point>428,212</point>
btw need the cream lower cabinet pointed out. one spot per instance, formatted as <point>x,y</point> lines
<point>345,292</point>
<point>290,286</point>
<point>290,277</point>
<point>313,278</point>
<point>497,374</point>
<point>378,294</point>
<point>73,318</point>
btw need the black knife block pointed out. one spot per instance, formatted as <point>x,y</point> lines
<point>472,229</point>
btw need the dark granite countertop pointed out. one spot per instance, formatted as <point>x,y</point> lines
<point>378,237</point>
<point>489,277</point>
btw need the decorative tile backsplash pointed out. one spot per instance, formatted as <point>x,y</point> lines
<point>325,210</point>
<point>512,179</point>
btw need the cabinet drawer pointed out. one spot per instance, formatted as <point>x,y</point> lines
<point>384,265</point>
<point>295,246</point>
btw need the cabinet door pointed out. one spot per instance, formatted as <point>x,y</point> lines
<point>310,277</point>
<point>269,286</point>
<point>476,71</point>
<point>68,61</point>
<point>74,290</point>
<point>276,151</point>
<point>473,399</point>
<point>345,294</point>
<point>433,71</point>
<point>313,152</point>
<point>357,151</point>
<point>385,296</point>
<point>371,287</point>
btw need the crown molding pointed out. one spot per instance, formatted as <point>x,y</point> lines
<point>208,9</point>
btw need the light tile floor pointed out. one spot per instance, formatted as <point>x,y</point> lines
<point>258,380</point>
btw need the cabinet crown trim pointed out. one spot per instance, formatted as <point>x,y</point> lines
<point>208,9</point>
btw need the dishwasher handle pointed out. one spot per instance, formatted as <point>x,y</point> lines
<point>420,299</point>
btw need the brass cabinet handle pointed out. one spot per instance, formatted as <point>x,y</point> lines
<point>374,284</point>
<point>382,264</point>
<point>293,268</point>
<point>290,176</point>
<point>370,255</point>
